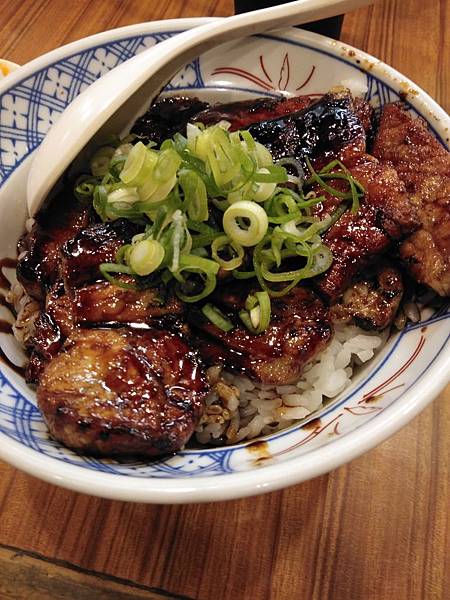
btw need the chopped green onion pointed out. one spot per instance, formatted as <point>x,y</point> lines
<point>222,242</point>
<point>167,165</point>
<point>192,263</point>
<point>271,174</point>
<point>135,163</point>
<point>243,274</point>
<point>177,239</point>
<point>345,175</point>
<point>294,164</point>
<point>206,269</point>
<point>250,143</point>
<point>107,268</point>
<point>256,317</point>
<point>263,156</point>
<point>85,187</point>
<point>334,217</point>
<point>100,201</point>
<point>145,257</point>
<point>263,190</point>
<point>195,197</point>
<point>258,223</point>
<point>175,195</point>
<point>217,318</point>
<point>122,252</point>
<point>322,260</point>
<point>125,195</point>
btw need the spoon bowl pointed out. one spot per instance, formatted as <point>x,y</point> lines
<point>107,105</point>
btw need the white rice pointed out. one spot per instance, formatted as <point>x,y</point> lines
<point>238,408</point>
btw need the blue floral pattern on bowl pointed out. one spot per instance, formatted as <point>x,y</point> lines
<point>29,109</point>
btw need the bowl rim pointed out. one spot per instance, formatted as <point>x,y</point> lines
<point>265,478</point>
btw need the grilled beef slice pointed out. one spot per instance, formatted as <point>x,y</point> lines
<point>299,329</point>
<point>39,249</point>
<point>299,120</point>
<point>103,302</point>
<point>79,299</point>
<point>319,132</point>
<point>423,164</point>
<point>121,392</point>
<point>385,216</point>
<point>171,115</point>
<point>244,113</point>
<point>83,254</point>
<point>373,300</point>
<point>165,118</point>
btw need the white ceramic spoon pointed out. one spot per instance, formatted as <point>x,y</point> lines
<point>109,103</point>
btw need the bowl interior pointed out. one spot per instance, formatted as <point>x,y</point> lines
<point>291,63</point>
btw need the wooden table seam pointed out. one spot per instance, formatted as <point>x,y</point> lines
<point>103,576</point>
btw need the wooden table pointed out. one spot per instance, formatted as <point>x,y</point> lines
<point>376,529</point>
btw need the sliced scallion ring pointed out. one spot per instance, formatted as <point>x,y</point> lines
<point>220,243</point>
<point>263,190</point>
<point>263,156</point>
<point>195,197</point>
<point>256,317</point>
<point>257,227</point>
<point>107,268</point>
<point>207,269</point>
<point>145,257</point>
<point>126,195</point>
<point>134,163</point>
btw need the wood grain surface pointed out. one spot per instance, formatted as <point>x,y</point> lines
<point>376,529</point>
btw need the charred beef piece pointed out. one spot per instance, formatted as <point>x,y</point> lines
<point>38,268</point>
<point>117,392</point>
<point>386,215</point>
<point>320,131</point>
<point>103,302</point>
<point>371,302</point>
<point>60,307</point>
<point>100,304</point>
<point>167,117</point>
<point>300,328</point>
<point>84,253</point>
<point>423,164</point>
<point>45,343</point>
<point>53,325</point>
<point>69,304</point>
<point>68,261</point>
<point>171,115</point>
<point>247,112</point>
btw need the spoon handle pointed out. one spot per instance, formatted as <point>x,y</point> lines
<point>330,27</point>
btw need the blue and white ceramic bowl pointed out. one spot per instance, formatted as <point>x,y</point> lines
<point>410,371</point>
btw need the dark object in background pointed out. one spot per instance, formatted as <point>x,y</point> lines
<point>330,27</point>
